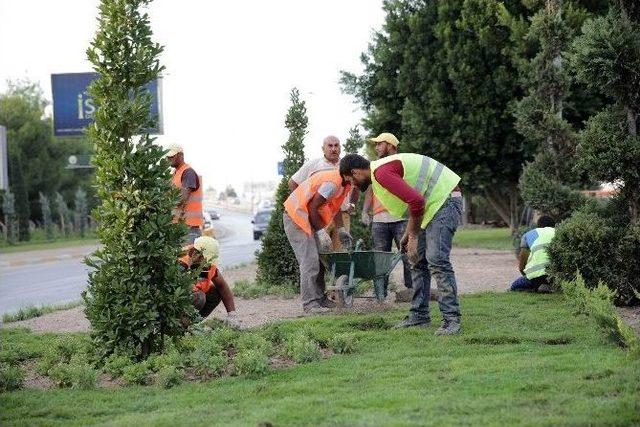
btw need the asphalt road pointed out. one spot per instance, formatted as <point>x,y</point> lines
<point>53,282</point>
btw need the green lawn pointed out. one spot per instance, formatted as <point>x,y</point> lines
<point>485,238</point>
<point>521,359</point>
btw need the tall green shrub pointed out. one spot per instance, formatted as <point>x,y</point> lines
<point>45,209</point>
<point>354,144</point>
<point>137,295</point>
<point>276,261</point>
<point>606,57</point>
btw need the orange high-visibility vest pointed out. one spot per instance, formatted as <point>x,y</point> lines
<point>297,204</point>
<point>377,206</point>
<point>193,208</point>
<point>205,284</point>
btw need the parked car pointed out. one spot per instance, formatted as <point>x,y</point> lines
<point>214,214</point>
<point>207,219</point>
<point>260,222</point>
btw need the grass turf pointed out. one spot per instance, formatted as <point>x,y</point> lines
<point>521,359</point>
<point>485,238</point>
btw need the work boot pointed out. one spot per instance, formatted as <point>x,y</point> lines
<point>404,295</point>
<point>545,289</point>
<point>410,322</point>
<point>315,308</point>
<point>327,303</point>
<point>448,328</point>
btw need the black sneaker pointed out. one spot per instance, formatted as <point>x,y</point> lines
<point>448,328</point>
<point>410,322</point>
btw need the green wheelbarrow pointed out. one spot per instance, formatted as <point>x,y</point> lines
<point>348,269</point>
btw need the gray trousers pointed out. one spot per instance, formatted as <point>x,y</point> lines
<point>305,249</point>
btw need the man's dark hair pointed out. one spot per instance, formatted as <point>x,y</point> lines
<point>352,161</point>
<point>546,221</point>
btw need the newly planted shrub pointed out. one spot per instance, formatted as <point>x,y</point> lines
<point>172,359</point>
<point>301,348</point>
<point>251,362</point>
<point>11,378</point>
<point>251,341</point>
<point>138,373</point>
<point>115,365</point>
<point>209,365</point>
<point>343,343</point>
<point>81,376</point>
<point>169,376</point>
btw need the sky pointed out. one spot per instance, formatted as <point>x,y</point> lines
<point>230,66</point>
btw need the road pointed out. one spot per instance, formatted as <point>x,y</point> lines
<point>50,281</point>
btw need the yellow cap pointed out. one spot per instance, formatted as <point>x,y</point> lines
<point>173,150</point>
<point>208,247</point>
<point>387,137</point>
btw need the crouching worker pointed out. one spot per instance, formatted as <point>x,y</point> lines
<point>211,288</point>
<point>533,258</point>
<point>308,210</point>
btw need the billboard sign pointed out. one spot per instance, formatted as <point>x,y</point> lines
<point>73,109</point>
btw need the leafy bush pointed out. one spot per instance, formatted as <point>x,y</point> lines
<point>137,373</point>
<point>225,337</point>
<point>209,365</point>
<point>274,332</point>
<point>301,348</point>
<point>11,378</point>
<point>172,359</point>
<point>251,362</point>
<point>343,343</point>
<point>598,302</point>
<point>115,365</point>
<point>601,249</point>
<point>63,350</point>
<point>252,341</point>
<point>74,375</point>
<point>169,376</point>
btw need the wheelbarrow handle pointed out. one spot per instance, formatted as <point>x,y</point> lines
<point>359,243</point>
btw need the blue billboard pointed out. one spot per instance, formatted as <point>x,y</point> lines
<point>73,109</point>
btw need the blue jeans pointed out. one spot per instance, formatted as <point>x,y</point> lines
<point>385,233</point>
<point>524,284</point>
<point>435,242</point>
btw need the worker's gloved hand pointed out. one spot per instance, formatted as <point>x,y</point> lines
<point>324,241</point>
<point>365,218</point>
<point>232,320</point>
<point>345,238</point>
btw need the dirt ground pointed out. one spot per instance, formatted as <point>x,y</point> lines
<point>477,270</point>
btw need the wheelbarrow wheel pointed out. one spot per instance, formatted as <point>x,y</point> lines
<point>344,296</point>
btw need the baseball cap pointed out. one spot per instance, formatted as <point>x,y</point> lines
<point>386,137</point>
<point>173,150</point>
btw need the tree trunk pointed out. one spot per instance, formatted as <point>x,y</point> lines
<point>632,124</point>
<point>505,203</point>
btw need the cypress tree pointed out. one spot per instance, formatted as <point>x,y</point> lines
<point>277,263</point>
<point>21,196</point>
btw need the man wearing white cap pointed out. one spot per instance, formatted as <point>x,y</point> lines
<point>211,287</point>
<point>189,208</point>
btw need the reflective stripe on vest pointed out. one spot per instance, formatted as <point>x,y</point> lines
<point>297,204</point>
<point>193,208</point>
<point>426,175</point>
<point>538,256</point>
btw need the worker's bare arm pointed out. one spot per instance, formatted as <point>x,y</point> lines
<point>314,215</point>
<point>523,257</point>
<point>292,185</point>
<point>225,292</point>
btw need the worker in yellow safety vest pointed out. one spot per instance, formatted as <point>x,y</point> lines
<point>533,257</point>
<point>189,208</point>
<point>427,191</point>
<point>313,205</point>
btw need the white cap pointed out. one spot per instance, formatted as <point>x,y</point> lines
<point>173,150</point>
<point>208,246</point>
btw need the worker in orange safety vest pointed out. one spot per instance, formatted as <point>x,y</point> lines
<point>189,208</point>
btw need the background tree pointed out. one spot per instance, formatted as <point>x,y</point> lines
<point>47,223</point>
<point>440,75</point>
<point>137,295</point>
<point>20,194</point>
<point>554,107</point>
<point>230,192</point>
<point>9,214</point>
<point>277,263</point>
<point>81,211</point>
<point>606,57</point>
<point>63,214</point>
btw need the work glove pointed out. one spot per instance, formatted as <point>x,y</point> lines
<point>324,241</point>
<point>365,218</point>
<point>345,238</point>
<point>232,320</point>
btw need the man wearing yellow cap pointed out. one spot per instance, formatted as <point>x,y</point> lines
<point>211,287</point>
<point>387,228</point>
<point>189,208</point>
